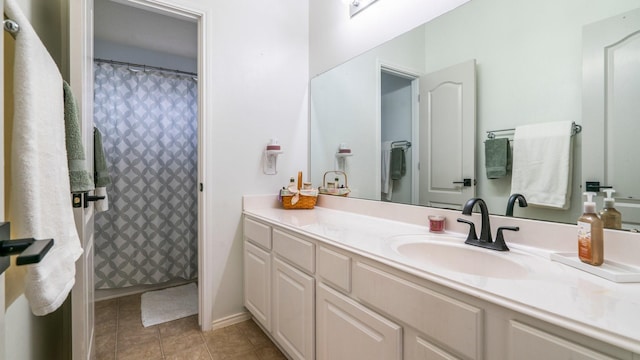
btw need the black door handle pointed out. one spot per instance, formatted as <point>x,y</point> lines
<point>88,198</point>
<point>464,182</point>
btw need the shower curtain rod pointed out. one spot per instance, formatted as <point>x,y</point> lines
<point>145,67</point>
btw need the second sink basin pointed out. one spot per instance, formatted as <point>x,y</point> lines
<point>450,253</point>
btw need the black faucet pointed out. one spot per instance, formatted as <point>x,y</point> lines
<point>522,202</point>
<point>485,239</point>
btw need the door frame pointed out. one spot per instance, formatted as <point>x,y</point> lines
<point>414,76</point>
<point>190,11</point>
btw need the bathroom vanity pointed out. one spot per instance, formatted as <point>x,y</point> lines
<point>349,280</point>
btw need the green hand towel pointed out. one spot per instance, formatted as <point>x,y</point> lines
<point>496,152</point>
<point>398,164</point>
<point>101,174</point>
<point>78,175</point>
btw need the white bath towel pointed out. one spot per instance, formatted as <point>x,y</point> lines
<point>386,181</point>
<point>542,163</point>
<point>40,198</point>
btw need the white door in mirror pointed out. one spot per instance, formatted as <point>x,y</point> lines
<point>447,136</point>
<point>610,108</point>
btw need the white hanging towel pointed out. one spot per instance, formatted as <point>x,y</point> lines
<point>386,182</point>
<point>542,163</point>
<point>40,197</point>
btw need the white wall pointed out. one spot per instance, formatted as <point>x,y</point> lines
<point>119,23</point>
<point>107,50</point>
<point>335,38</point>
<point>259,76</point>
<point>128,34</point>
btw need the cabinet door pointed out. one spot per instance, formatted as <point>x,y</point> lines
<point>257,283</point>
<point>528,343</point>
<point>348,330</point>
<point>293,315</point>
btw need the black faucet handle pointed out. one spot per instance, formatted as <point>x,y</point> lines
<point>472,229</point>
<point>499,243</point>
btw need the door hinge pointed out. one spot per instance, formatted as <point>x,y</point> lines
<point>201,187</point>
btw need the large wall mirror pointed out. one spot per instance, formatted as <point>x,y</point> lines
<point>527,58</point>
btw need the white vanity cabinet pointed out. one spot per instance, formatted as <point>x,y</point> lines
<point>280,287</point>
<point>319,300</point>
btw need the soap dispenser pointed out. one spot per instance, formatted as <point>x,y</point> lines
<point>611,218</point>
<point>590,234</point>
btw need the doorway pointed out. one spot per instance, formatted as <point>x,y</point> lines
<point>398,124</point>
<point>145,107</point>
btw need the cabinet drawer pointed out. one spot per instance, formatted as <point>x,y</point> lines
<point>348,330</point>
<point>335,268</point>
<point>531,343</point>
<point>297,251</point>
<point>449,322</point>
<point>257,233</point>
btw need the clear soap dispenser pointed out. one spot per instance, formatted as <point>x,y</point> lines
<point>590,234</point>
<point>611,218</point>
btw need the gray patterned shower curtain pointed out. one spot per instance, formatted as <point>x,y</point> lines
<point>149,124</point>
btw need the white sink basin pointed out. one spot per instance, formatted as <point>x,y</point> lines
<point>451,253</point>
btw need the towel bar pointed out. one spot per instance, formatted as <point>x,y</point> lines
<point>575,129</point>
<point>31,251</point>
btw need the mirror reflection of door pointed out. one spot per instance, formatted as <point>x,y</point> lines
<point>447,136</point>
<point>611,84</point>
<point>398,119</point>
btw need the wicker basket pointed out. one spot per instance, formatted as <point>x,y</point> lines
<point>304,201</point>
<point>343,191</point>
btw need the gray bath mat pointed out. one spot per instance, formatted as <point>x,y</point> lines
<point>169,304</point>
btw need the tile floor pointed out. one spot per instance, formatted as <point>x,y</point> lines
<point>121,336</point>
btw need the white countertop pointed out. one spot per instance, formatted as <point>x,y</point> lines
<point>548,290</point>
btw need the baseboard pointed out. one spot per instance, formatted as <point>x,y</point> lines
<point>230,320</point>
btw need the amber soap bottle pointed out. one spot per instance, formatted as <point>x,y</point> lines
<point>590,234</point>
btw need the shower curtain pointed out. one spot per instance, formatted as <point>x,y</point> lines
<point>149,127</point>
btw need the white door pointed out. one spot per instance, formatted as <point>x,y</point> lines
<point>447,136</point>
<point>81,81</point>
<point>610,108</point>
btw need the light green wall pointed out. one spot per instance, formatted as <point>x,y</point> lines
<point>529,70</point>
